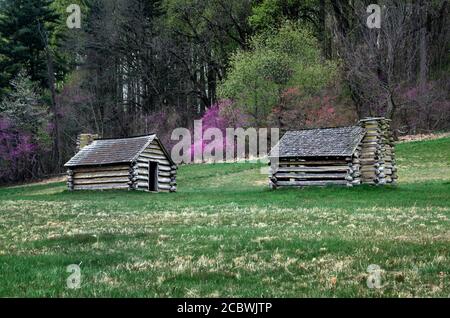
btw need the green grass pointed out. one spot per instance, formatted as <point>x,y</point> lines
<point>226,234</point>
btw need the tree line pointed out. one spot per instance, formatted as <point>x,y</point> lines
<point>142,66</point>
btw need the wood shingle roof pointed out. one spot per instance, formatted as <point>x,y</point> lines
<point>111,151</point>
<point>325,142</point>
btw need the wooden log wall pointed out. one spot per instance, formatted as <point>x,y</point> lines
<point>167,172</point>
<point>99,178</point>
<point>354,174</point>
<point>388,152</point>
<point>300,172</point>
<point>378,153</point>
<point>133,176</point>
<point>70,179</point>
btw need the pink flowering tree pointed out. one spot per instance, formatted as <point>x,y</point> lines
<point>221,116</point>
<point>23,131</point>
<point>18,151</point>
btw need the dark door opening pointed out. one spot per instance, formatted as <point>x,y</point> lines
<point>152,176</point>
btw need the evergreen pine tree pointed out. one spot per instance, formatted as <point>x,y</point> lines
<point>23,24</point>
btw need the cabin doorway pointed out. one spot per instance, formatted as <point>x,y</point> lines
<point>152,176</point>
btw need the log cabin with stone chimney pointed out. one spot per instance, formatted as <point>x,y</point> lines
<point>136,163</point>
<point>361,154</point>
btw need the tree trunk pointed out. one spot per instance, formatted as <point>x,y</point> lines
<point>57,157</point>
<point>423,50</point>
<point>322,29</point>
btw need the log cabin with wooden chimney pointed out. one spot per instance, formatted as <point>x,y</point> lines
<point>351,156</point>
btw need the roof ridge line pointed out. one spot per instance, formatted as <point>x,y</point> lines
<point>122,138</point>
<point>323,128</point>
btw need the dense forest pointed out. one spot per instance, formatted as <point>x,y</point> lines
<point>141,66</point>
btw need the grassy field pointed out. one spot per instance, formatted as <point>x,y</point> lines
<point>226,234</point>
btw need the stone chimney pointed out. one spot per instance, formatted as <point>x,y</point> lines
<point>378,164</point>
<point>84,140</point>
